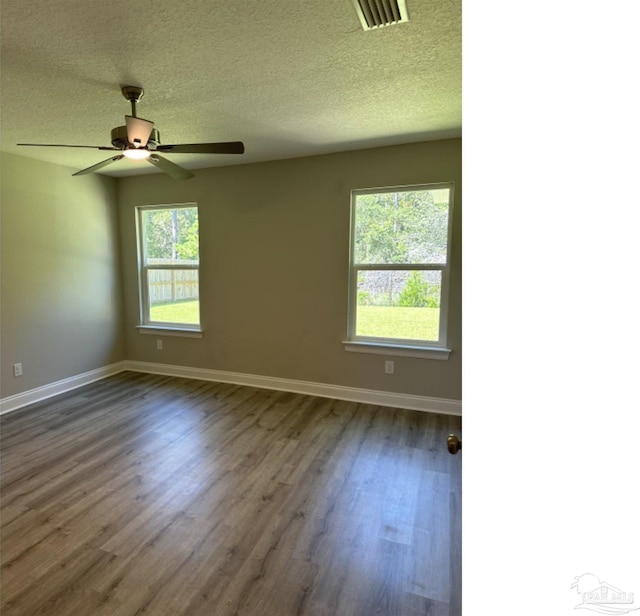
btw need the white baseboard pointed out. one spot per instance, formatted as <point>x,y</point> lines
<point>382,398</point>
<point>339,392</point>
<point>17,401</point>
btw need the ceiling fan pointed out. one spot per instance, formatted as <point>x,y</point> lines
<point>139,140</point>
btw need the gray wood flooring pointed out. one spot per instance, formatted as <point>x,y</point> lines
<point>143,494</point>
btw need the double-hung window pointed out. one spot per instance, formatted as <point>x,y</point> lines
<point>169,262</point>
<point>399,270</point>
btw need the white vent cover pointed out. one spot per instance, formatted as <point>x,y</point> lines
<point>378,13</point>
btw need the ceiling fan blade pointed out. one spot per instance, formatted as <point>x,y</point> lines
<point>138,131</point>
<point>58,145</point>
<point>175,171</point>
<point>97,166</point>
<point>228,147</point>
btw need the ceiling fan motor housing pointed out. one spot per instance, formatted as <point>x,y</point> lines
<point>119,139</point>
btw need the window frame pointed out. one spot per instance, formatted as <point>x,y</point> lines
<point>433,349</point>
<point>143,276</point>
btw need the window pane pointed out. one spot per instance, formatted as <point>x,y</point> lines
<point>399,304</point>
<point>173,296</point>
<point>402,227</point>
<point>171,236</point>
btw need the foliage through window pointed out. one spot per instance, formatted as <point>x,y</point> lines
<point>400,265</point>
<point>169,257</point>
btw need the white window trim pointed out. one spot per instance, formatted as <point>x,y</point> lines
<point>147,326</point>
<point>428,349</point>
<point>397,349</point>
<point>169,330</point>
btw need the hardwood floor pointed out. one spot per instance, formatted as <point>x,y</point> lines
<point>153,495</point>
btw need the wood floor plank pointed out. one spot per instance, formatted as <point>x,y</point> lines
<point>146,494</point>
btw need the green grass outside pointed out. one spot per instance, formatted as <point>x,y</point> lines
<point>375,321</point>
<point>180,312</point>
<point>398,322</point>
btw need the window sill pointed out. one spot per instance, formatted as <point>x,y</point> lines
<point>399,350</point>
<point>159,330</point>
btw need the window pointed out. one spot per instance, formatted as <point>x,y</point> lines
<point>399,272</point>
<point>168,257</point>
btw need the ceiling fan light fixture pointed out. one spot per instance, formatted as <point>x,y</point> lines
<point>136,154</point>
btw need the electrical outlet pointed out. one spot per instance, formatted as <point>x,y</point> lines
<point>17,369</point>
<point>159,344</point>
<point>388,367</point>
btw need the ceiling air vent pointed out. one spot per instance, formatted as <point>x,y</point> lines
<point>377,13</point>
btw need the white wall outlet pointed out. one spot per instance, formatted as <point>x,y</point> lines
<point>389,367</point>
<point>17,369</point>
<point>159,344</point>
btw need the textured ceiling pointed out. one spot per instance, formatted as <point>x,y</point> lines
<point>287,77</point>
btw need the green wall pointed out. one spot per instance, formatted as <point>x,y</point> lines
<point>60,293</point>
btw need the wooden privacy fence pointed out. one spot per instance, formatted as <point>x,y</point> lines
<point>172,285</point>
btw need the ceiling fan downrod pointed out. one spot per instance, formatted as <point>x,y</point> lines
<point>133,94</point>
